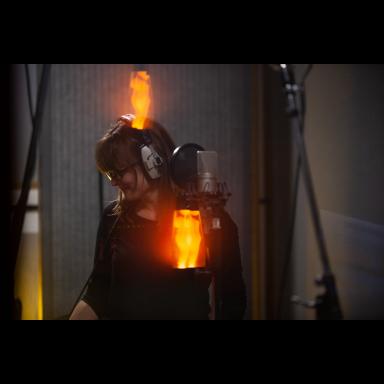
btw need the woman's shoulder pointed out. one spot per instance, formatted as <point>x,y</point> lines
<point>109,215</point>
<point>227,221</point>
<point>109,209</point>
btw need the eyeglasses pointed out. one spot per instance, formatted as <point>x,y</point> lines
<point>119,174</point>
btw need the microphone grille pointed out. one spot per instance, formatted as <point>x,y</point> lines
<point>207,163</point>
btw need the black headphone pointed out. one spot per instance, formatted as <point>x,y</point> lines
<point>151,160</point>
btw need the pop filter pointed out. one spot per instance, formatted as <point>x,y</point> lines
<point>183,165</point>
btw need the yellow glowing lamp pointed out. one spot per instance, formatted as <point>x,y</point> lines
<point>187,239</point>
<point>141,97</point>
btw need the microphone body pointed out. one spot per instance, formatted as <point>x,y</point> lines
<point>207,172</point>
<point>210,196</point>
<point>211,202</point>
<point>195,171</point>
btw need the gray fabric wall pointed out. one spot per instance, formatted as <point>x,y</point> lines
<point>205,103</point>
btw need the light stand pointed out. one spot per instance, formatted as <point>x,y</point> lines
<point>327,305</point>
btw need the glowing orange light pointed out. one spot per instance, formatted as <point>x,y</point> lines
<point>141,97</point>
<point>187,239</point>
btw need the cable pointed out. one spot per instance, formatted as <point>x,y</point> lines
<point>19,213</point>
<point>308,70</point>
<point>29,93</point>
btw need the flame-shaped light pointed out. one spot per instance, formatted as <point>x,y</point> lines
<point>187,238</point>
<point>141,97</point>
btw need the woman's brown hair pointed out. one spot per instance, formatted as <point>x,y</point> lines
<point>120,145</point>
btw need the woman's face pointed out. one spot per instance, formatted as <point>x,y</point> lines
<point>132,182</point>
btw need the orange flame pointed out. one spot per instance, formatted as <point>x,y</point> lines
<point>141,97</point>
<point>187,240</point>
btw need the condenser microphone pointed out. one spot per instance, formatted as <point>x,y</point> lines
<point>207,166</point>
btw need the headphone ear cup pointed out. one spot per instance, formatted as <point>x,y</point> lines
<point>152,161</point>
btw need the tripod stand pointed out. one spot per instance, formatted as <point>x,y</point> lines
<point>327,305</point>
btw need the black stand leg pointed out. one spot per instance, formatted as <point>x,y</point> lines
<point>327,305</point>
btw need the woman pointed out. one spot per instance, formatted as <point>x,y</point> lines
<point>131,277</point>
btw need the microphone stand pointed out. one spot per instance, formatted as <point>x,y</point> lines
<point>211,205</point>
<point>327,304</point>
